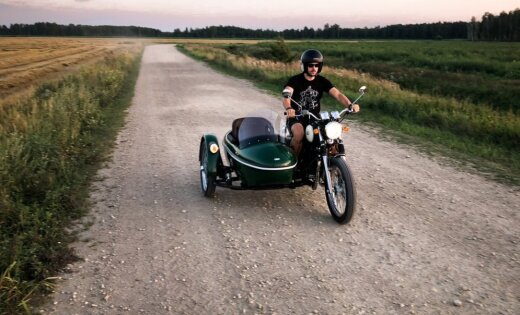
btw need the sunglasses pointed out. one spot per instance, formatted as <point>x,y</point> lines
<point>313,65</point>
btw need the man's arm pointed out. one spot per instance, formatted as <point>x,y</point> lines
<point>334,92</point>
<point>286,102</point>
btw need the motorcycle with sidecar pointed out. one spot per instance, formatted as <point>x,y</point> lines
<point>255,154</point>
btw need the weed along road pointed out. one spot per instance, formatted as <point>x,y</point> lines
<point>427,238</point>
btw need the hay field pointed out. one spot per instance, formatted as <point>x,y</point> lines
<point>26,61</point>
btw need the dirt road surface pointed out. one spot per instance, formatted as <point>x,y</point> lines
<point>427,238</point>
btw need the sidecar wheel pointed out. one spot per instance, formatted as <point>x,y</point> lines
<point>207,182</point>
<point>342,199</point>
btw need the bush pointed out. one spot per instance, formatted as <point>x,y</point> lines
<point>280,51</point>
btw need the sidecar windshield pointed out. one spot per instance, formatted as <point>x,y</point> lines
<point>258,128</point>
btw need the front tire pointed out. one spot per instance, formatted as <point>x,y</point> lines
<point>342,197</point>
<point>207,182</point>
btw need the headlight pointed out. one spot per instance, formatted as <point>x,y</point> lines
<point>309,133</point>
<point>213,148</point>
<point>333,130</point>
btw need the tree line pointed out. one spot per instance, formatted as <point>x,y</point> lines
<point>502,27</point>
<point>53,29</point>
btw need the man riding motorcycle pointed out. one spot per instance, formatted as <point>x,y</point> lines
<point>307,88</point>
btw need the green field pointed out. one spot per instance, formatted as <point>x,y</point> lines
<point>457,98</point>
<point>51,144</point>
<point>481,72</point>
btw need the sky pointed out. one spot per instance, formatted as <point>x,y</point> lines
<point>167,15</point>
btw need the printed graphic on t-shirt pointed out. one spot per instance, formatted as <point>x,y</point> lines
<point>309,98</point>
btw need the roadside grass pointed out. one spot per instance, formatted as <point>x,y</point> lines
<point>479,72</point>
<point>51,145</point>
<point>475,134</point>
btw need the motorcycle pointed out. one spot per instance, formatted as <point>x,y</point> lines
<point>255,154</point>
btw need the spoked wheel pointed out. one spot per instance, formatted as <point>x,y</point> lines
<point>342,198</point>
<point>207,182</point>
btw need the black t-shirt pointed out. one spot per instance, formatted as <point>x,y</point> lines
<point>308,93</point>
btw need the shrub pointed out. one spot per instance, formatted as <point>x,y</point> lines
<point>280,51</point>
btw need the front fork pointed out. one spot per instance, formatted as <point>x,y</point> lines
<point>328,181</point>
<point>325,161</point>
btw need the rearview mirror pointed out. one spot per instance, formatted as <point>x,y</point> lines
<point>362,90</point>
<point>286,93</point>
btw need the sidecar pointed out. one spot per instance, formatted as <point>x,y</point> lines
<point>252,155</point>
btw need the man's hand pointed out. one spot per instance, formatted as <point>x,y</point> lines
<point>291,113</point>
<point>355,108</point>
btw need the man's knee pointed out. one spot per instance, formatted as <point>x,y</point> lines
<point>297,131</point>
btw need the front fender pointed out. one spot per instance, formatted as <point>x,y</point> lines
<point>207,140</point>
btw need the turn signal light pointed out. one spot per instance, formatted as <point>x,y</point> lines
<point>346,128</point>
<point>316,131</point>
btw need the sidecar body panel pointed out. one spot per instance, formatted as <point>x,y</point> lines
<point>262,164</point>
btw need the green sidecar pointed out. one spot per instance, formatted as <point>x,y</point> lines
<point>253,155</point>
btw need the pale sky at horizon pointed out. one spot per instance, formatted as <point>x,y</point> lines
<point>266,14</point>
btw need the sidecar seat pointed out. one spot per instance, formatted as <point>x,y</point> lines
<point>234,130</point>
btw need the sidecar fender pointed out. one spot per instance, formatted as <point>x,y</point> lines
<point>207,140</point>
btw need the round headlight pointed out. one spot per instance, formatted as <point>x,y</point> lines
<point>213,148</point>
<point>333,130</point>
<point>309,133</point>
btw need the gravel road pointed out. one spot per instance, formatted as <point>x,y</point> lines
<point>427,237</point>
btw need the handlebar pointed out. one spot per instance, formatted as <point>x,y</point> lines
<point>288,93</point>
<point>306,112</point>
<point>347,110</point>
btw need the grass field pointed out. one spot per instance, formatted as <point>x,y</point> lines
<point>480,72</point>
<point>28,61</point>
<point>53,137</point>
<point>455,98</point>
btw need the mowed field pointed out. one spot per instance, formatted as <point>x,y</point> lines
<point>26,61</point>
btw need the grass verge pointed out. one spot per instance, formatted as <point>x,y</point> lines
<point>51,145</point>
<point>476,135</point>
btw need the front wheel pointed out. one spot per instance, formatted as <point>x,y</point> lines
<point>207,182</point>
<point>342,196</point>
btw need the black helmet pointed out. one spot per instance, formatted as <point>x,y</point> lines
<point>309,56</point>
